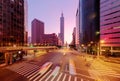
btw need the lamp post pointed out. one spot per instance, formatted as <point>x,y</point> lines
<point>99,47</point>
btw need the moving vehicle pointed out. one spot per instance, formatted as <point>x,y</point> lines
<point>45,67</point>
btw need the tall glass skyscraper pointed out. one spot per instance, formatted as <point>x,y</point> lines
<point>26,21</point>
<point>11,22</point>
<point>87,22</point>
<point>62,29</point>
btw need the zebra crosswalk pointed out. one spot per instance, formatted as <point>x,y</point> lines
<point>103,70</point>
<point>31,72</point>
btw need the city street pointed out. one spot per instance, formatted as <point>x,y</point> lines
<point>60,40</point>
<point>66,65</point>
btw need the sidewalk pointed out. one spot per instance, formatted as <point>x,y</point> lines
<point>26,58</point>
<point>106,59</point>
<point>111,59</point>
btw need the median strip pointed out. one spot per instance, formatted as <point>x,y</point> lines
<point>72,69</point>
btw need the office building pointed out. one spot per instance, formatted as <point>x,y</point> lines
<point>78,26</point>
<point>11,22</point>
<point>50,39</point>
<point>110,26</point>
<point>87,22</point>
<point>26,22</point>
<point>74,37</point>
<point>59,40</point>
<point>37,31</point>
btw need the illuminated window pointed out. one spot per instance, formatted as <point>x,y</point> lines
<point>20,3</point>
<point>12,0</point>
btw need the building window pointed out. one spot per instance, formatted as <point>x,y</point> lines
<point>12,0</point>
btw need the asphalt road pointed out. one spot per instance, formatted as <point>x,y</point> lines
<point>67,66</point>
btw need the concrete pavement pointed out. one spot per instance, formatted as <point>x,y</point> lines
<point>70,65</point>
<point>29,69</point>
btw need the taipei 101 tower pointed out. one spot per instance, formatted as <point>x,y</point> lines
<point>62,29</point>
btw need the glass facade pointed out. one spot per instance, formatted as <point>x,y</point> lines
<point>88,22</point>
<point>110,23</point>
<point>11,22</point>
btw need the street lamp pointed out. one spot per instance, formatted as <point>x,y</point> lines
<point>102,41</point>
<point>99,47</point>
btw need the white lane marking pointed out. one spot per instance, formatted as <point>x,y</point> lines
<point>18,68</point>
<point>37,74</point>
<point>54,73</point>
<point>58,79</point>
<point>66,68</point>
<point>37,77</point>
<point>56,70</point>
<point>27,74</point>
<point>22,68</point>
<point>105,73</point>
<point>26,70</point>
<point>72,69</point>
<point>54,77</point>
<point>48,77</point>
<point>69,78</point>
<point>75,79</point>
<point>15,67</point>
<point>64,77</point>
<point>85,75</point>
<point>81,79</point>
<point>32,74</point>
<point>45,75</point>
<point>102,69</point>
<point>118,76</point>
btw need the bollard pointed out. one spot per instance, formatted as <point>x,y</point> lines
<point>11,58</point>
<point>6,58</point>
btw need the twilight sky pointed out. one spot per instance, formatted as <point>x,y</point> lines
<point>49,11</point>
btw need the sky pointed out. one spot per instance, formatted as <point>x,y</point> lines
<point>49,11</point>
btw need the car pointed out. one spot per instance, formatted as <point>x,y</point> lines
<point>2,58</point>
<point>64,53</point>
<point>45,67</point>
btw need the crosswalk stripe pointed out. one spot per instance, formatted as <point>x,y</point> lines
<point>16,66</point>
<point>104,70</point>
<point>81,79</point>
<point>75,79</point>
<point>64,77</point>
<point>69,78</point>
<point>37,74</point>
<point>54,73</point>
<point>45,75</point>
<point>32,74</point>
<point>59,76</point>
<point>25,70</point>
<point>54,77</point>
<point>114,76</point>
<point>48,77</point>
<point>22,68</point>
<point>37,77</point>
